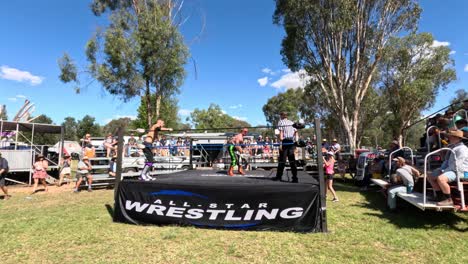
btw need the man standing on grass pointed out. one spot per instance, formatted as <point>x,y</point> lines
<point>3,172</point>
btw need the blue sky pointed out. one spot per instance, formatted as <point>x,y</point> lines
<point>238,57</point>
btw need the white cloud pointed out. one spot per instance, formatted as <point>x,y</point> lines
<point>13,99</point>
<point>286,70</point>
<point>437,43</point>
<point>292,80</point>
<point>263,81</point>
<point>267,70</point>
<point>235,106</point>
<point>224,112</point>
<point>452,52</point>
<point>184,112</point>
<point>21,96</point>
<point>466,68</point>
<point>241,118</point>
<point>19,76</point>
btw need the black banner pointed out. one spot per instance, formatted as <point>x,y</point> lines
<point>260,205</point>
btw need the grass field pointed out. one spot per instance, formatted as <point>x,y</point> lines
<point>65,227</point>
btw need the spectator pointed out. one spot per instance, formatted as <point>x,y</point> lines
<point>341,168</point>
<point>110,144</point>
<point>325,146</point>
<point>84,170</point>
<point>66,162</point>
<point>180,147</point>
<point>335,147</point>
<point>113,166</point>
<point>329,164</point>
<point>453,166</point>
<point>3,173</point>
<point>403,181</point>
<point>461,124</point>
<point>88,148</point>
<point>40,172</point>
<point>131,148</point>
<point>465,104</point>
<point>260,145</point>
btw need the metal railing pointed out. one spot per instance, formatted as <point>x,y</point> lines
<point>395,151</point>
<point>428,145</point>
<point>459,184</point>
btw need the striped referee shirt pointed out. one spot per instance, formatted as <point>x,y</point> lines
<point>285,126</point>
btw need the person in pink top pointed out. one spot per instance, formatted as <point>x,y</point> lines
<point>40,172</point>
<point>328,165</point>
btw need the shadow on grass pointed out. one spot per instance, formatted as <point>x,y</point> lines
<point>110,210</point>
<point>409,216</point>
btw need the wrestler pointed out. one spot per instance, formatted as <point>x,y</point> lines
<point>235,144</point>
<point>152,135</point>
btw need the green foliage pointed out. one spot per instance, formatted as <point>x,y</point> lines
<point>289,101</point>
<point>339,43</point>
<point>460,96</point>
<point>68,71</point>
<point>412,73</point>
<point>88,125</point>
<point>114,125</point>
<point>3,112</point>
<point>168,113</point>
<point>214,117</point>
<point>71,128</point>
<point>41,138</point>
<point>140,53</point>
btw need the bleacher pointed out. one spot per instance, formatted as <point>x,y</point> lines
<point>428,157</point>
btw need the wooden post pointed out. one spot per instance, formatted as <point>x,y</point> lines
<point>323,202</point>
<point>191,153</point>
<point>118,172</point>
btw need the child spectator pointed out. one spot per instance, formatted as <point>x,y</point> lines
<point>329,163</point>
<point>40,172</point>
<point>84,170</point>
<point>65,170</point>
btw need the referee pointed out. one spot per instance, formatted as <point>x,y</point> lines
<point>287,136</point>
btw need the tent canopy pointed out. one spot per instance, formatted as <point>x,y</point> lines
<point>28,127</point>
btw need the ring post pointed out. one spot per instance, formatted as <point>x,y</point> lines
<point>118,172</point>
<point>323,201</point>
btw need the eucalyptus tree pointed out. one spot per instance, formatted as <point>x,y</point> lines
<point>413,71</point>
<point>339,43</point>
<point>139,53</point>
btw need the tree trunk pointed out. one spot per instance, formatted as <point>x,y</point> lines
<point>158,105</point>
<point>149,112</point>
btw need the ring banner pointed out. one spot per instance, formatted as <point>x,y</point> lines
<point>260,205</point>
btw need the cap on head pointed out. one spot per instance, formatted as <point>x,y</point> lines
<point>334,140</point>
<point>85,158</point>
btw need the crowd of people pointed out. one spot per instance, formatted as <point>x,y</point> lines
<point>448,130</point>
